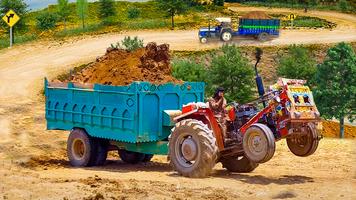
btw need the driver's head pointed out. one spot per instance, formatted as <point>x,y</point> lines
<point>219,92</point>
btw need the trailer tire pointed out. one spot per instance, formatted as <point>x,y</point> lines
<point>102,151</point>
<point>131,156</point>
<point>147,158</point>
<point>259,143</point>
<point>81,148</point>
<point>263,36</point>
<point>239,164</point>
<point>226,35</point>
<point>307,145</point>
<point>192,148</point>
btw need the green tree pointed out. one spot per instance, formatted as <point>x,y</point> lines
<point>188,70</point>
<point>297,63</point>
<point>343,5</point>
<point>46,20</point>
<point>173,7</point>
<point>19,6</point>
<point>82,10</point>
<point>63,11</point>
<point>233,72</point>
<point>335,84</point>
<point>107,8</point>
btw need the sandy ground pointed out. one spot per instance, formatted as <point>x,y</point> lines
<point>33,164</point>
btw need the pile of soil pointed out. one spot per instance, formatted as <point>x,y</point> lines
<point>256,15</point>
<point>332,129</point>
<point>121,67</point>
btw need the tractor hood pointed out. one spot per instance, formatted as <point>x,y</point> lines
<point>206,29</point>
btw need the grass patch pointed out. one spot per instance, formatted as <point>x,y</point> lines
<point>79,30</point>
<point>19,39</point>
<point>305,22</point>
<point>333,7</point>
<point>147,24</point>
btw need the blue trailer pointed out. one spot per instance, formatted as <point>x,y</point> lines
<point>137,118</point>
<point>261,29</point>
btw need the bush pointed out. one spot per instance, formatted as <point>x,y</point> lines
<point>133,13</point>
<point>188,70</point>
<point>46,20</point>
<point>110,21</point>
<point>129,44</point>
<point>297,64</point>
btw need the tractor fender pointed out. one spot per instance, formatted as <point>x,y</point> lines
<point>207,117</point>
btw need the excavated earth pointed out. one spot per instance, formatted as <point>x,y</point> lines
<point>122,67</point>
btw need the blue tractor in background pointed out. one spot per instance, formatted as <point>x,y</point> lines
<point>261,29</point>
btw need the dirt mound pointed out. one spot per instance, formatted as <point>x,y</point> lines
<point>256,15</point>
<point>121,67</point>
<point>332,129</point>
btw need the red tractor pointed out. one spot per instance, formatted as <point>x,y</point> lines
<point>197,144</point>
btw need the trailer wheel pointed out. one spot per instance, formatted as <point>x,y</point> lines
<point>192,148</point>
<point>304,145</point>
<point>259,143</point>
<point>226,35</point>
<point>203,40</point>
<point>102,151</point>
<point>239,164</point>
<point>131,157</point>
<point>263,36</point>
<point>81,148</point>
<point>147,158</point>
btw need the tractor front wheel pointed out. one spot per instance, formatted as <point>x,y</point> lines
<point>259,143</point>
<point>239,164</point>
<point>192,148</point>
<point>306,144</point>
<point>203,40</point>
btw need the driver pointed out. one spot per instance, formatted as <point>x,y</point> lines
<point>217,104</point>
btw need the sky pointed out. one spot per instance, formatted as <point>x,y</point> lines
<point>38,4</point>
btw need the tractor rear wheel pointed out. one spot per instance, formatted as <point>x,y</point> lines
<point>192,148</point>
<point>81,148</point>
<point>131,157</point>
<point>259,143</point>
<point>239,164</point>
<point>304,145</point>
<point>263,36</point>
<point>226,35</point>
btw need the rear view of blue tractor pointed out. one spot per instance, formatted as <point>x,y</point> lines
<point>261,29</point>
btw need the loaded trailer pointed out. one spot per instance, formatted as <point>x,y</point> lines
<point>261,29</point>
<point>135,119</point>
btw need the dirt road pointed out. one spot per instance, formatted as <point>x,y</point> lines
<point>33,164</point>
